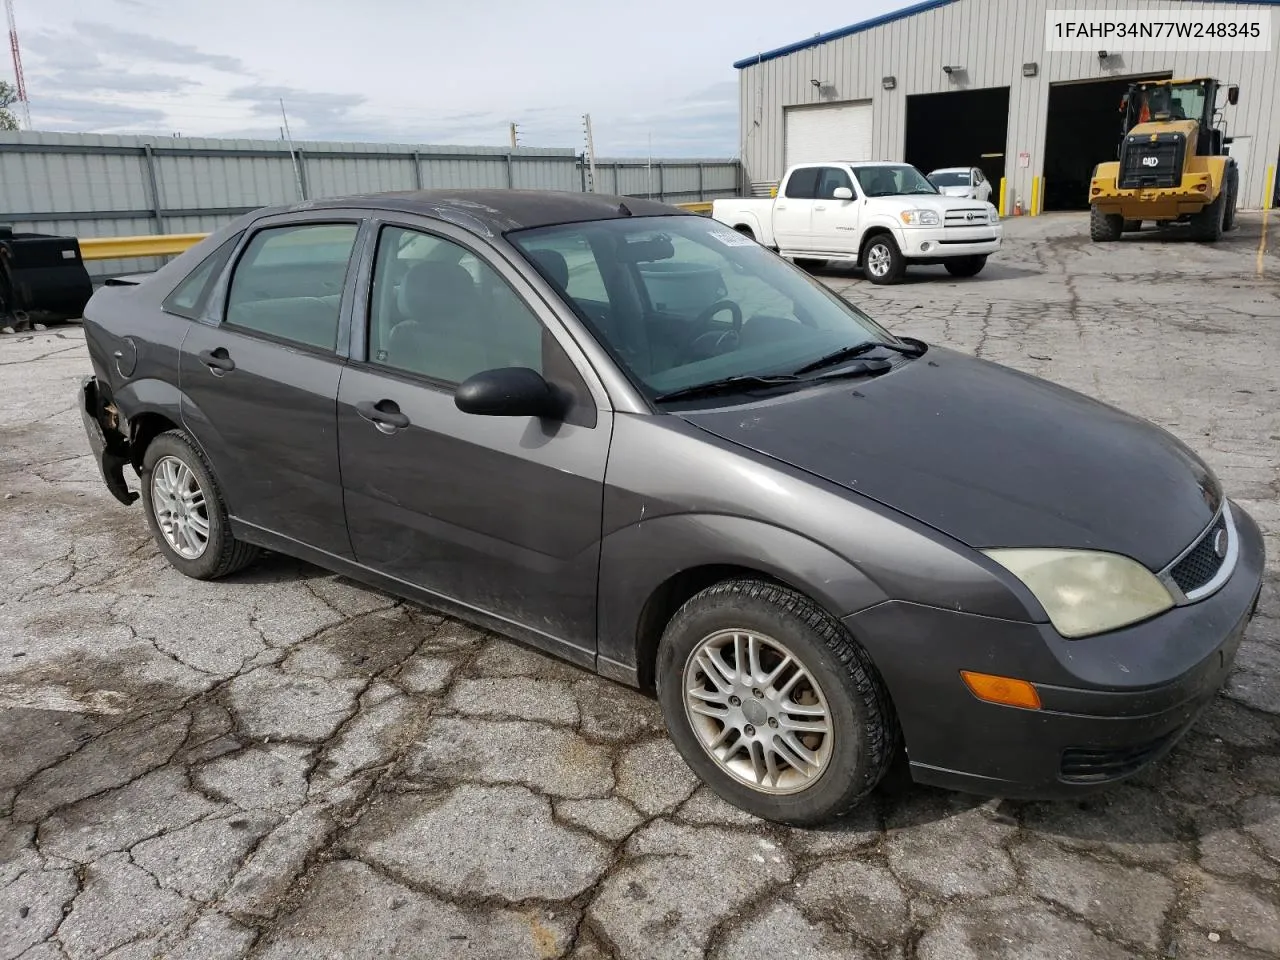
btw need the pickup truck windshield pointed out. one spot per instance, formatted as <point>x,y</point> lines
<point>681,301</point>
<point>893,180</point>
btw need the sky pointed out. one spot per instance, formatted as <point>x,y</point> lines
<point>656,75</point>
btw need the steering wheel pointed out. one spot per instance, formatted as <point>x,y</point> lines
<point>704,318</point>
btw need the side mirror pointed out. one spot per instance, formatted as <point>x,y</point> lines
<point>1233,94</point>
<point>842,193</point>
<point>508,392</point>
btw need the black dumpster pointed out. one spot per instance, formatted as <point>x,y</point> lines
<point>41,274</point>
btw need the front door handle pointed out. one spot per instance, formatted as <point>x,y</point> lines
<point>218,361</point>
<point>384,414</point>
<point>823,207</point>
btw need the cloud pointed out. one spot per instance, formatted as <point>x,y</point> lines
<point>93,77</point>
<point>142,46</point>
<point>78,115</point>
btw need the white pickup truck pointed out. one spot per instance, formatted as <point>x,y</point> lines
<point>881,216</point>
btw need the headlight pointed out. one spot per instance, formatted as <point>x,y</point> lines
<point>1086,592</point>
<point>920,218</point>
<point>993,215</point>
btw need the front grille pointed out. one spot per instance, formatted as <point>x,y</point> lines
<point>1089,765</point>
<point>1152,161</point>
<point>967,217</point>
<point>1203,563</point>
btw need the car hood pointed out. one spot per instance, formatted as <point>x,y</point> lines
<point>955,191</point>
<point>990,456</point>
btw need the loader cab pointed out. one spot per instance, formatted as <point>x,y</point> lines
<point>1169,101</point>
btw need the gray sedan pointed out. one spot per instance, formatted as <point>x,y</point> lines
<point>640,441</point>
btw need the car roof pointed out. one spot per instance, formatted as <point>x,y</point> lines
<point>952,170</point>
<point>495,211</point>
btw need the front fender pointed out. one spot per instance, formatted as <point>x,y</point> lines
<point>638,559</point>
<point>880,222</point>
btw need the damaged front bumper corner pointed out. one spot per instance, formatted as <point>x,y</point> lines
<point>109,445</point>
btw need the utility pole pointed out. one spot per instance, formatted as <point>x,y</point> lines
<point>649,170</point>
<point>297,171</point>
<point>591,154</point>
<point>514,134</point>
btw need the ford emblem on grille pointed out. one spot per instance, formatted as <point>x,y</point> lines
<point>1220,544</point>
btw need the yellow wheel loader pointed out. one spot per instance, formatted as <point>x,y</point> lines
<point>1173,165</point>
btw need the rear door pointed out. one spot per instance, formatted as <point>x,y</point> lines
<point>500,514</point>
<point>259,377</point>
<point>793,210</point>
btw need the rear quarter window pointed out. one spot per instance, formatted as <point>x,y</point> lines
<point>188,298</point>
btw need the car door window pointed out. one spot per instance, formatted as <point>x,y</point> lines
<point>288,283</point>
<point>802,184</point>
<point>439,311</point>
<point>188,297</point>
<point>829,179</point>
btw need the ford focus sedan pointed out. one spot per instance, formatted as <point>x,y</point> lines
<point>640,441</point>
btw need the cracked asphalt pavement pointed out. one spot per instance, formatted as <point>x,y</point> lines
<point>286,764</point>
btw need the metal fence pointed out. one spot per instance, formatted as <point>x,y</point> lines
<point>94,185</point>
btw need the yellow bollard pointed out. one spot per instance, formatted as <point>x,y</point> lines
<point>1003,184</point>
<point>1035,197</point>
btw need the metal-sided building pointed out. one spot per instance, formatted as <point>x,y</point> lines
<point>974,82</point>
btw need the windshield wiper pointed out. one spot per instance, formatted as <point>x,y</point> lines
<point>908,348</point>
<point>728,385</point>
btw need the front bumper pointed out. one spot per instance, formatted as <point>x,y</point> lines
<point>1111,704</point>
<point>942,243</point>
<point>109,447</point>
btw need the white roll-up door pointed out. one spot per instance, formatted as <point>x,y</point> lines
<point>828,131</point>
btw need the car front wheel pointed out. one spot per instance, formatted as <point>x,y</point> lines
<point>186,512</point>
<point>773,704</point>
<point>882,260</point>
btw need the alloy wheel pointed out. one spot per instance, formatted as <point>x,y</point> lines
<point>757,711</point>
<point>878,259</point>
<point>180,508</point>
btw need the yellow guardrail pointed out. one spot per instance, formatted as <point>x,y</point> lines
<point>127,248</point>
<point>168,244</point>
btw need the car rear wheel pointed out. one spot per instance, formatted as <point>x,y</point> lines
<point>966,266</point>
<point>882,260</point>
<point>773,704</point>
<point>186,512</point>
<point>1104,227</point>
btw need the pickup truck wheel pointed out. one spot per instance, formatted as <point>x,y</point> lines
<point>965,266</point>
<point>186,512</point>
<point>882,260</point>
<point>1104,227</point>
<point>773,704</point>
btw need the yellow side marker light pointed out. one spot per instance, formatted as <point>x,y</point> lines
<point>1002,690</point>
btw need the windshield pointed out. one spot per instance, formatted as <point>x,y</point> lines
<point>892,180</point>
<point>1181,101</point>
<point>683,300</point>
<point>950,178</point>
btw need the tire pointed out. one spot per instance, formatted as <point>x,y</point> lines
<point>1104,227</point>
<point>222,554</point>
<point>1229,215</point>
<point>862,738</point>
<point>882,261</point>
<point>965,266</point>
<point>1208,223</point>
<point>1131,226</point>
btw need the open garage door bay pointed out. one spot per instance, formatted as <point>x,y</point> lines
<point>828,131</point>
<point>965,128</point>
<point>1083,130</point>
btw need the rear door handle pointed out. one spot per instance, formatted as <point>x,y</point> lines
<point>384,414</point>
<point>217,360</point>
<point>823,207</point>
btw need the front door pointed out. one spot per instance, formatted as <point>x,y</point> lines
<point>500,514</point>
<point>835,221</point>
<point>260,384</point>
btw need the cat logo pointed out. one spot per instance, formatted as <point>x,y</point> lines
<point>1151,161</point>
